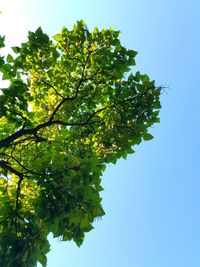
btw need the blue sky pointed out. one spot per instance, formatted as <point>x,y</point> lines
<point>152,198</point>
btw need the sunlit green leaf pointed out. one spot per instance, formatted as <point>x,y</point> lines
<point>9,58</point>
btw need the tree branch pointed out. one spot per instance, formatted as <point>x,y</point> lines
<point>7,218</point>
<point>6,142</point>
<point>68,98</point>
<point>6,165</point>
<point>53,88</point>
<point>18,191</point>
<point>21,165</point>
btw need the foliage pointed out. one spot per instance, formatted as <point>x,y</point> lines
<point>72,106</point>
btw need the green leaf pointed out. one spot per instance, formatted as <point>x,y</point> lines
<point>43,260</point>
<point>88,228</point>
<point>124,155</point>
<point>137,76</point>
<point>41,37</point>
<point>132,53</point>
<point>16,49</point>
<point>147,136</point>
<point>1,61</point>
<point>157,105</point>
<point>79,241</point>
<point>130,150</point>
<point>2,39</point>
<point>57,37</point>
<point>145,78</point>
<point>10,58</point>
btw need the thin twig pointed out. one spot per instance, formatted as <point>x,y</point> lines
<point>50,85</point>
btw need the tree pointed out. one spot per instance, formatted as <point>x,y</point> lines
<point>72,106</point>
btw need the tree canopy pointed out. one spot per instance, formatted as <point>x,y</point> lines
<point>71,107</point>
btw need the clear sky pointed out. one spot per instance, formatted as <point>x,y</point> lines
<point>151,199</point>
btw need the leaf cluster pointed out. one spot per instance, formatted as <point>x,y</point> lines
<point>72,107</point>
